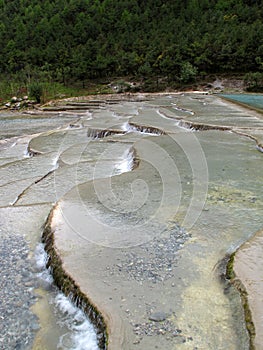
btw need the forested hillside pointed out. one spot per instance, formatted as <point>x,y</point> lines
<point>100,38</point>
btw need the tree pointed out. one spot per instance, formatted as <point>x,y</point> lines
<point>188,72</point>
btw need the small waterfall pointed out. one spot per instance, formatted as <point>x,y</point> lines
<point>201,127</point>
<point>55,162</point>
<point>186,125</point>
<point>31,152</point>
<point>82,335</point>
<point>27,154</point>
<point>128,163</point>
<point>88,115</point>
<point>101,133</point>
<point>126,127</point>
<point>78,332</point>
<point>149,130</point>
<point>41,259</point>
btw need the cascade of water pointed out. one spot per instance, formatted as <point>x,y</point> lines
<point>98,133</point>
<point>128,162</point>
<point>77,331</point>
<point>147,130</point>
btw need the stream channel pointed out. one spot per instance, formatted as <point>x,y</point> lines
<point>148,195</point>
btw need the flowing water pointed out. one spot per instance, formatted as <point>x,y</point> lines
<point>141,173</point>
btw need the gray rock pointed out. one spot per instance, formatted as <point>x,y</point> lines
<point>158,316</point>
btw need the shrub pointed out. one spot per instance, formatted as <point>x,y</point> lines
<point>36,91</point>
<point>254,81</point>
<point>188,73</point>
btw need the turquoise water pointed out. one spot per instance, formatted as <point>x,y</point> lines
<point>253,100</point>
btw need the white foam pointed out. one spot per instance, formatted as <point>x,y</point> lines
<point>40,256</point>
<point>55,162</point>
<point>82,335</point>
<point>127,162</point>
<point>87,116</point>
<point>27,154</point>
<point>116,115</point>
<point>64,304</point>
<point>41,261</point>
<point>126,127</point>
<point>14,201</point>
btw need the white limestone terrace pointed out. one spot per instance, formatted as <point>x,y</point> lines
<point>143,249</point>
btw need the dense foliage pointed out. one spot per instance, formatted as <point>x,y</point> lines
<point>58,39</point>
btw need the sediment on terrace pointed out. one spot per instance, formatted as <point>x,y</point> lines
<point>68,286</point>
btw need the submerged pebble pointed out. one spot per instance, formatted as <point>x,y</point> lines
<point>158,316</point>
<point>157,259</point>
<point>17,323</point>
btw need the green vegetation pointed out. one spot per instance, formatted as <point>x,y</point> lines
<point>36,91</point>
<point>230,274</point>
<point>72,41</point>
<point>254,81</point>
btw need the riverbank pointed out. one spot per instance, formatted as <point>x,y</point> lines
<point>17,97</point>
